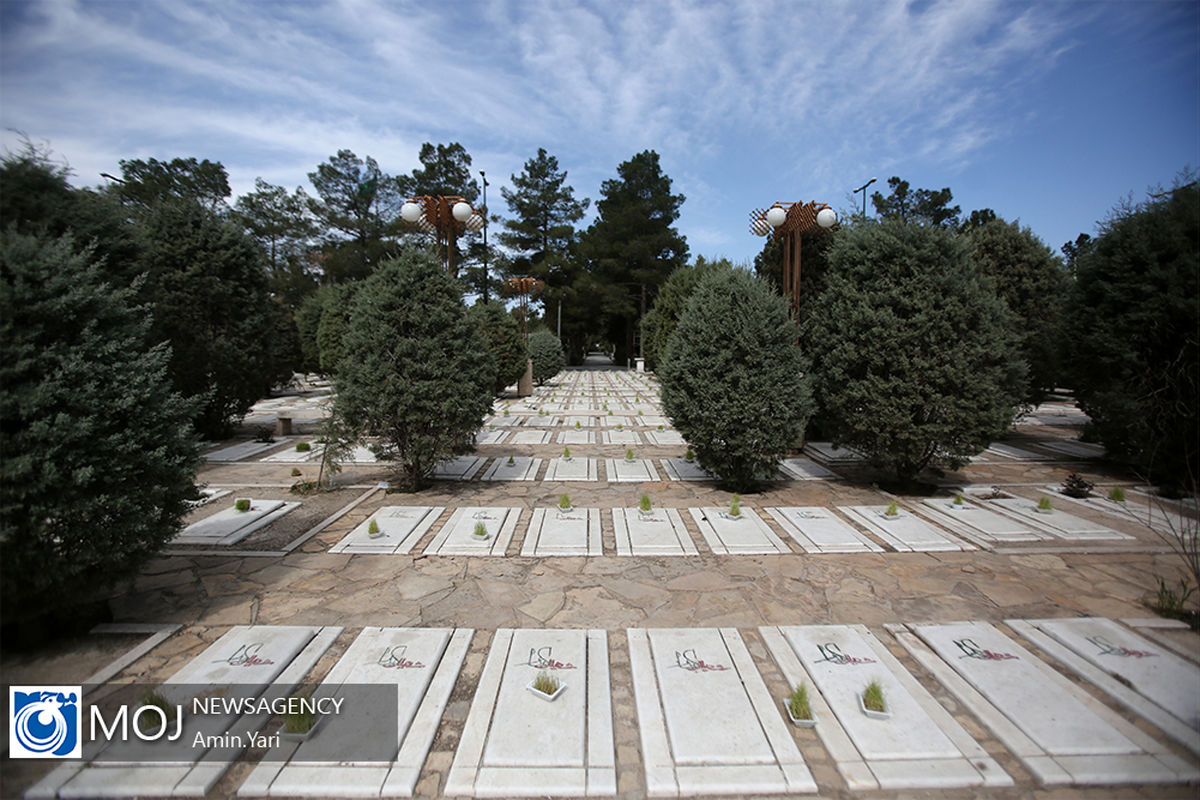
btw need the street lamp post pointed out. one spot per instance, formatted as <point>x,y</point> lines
<point>791,222</point>
<point>446,217</point>
<point>863,189</point>
<point>483,177</point>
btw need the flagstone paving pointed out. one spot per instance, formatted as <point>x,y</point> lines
<point>328,575</point>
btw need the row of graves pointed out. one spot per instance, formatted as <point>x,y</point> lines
<point>711,717</point>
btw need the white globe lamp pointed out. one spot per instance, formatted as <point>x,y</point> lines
<point>826,217</point>
<point>776,216</point>
<point>462,211</point>
<point>411,212</point>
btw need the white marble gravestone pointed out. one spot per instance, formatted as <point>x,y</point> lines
<point>577,437</point>
<point>805,469</point>
<point>665,438</point>
<point>491,436</point>
<point>680,469</point>
<point>554,532</point>
<point>1057,522</point>
<point>522,468</point>
<point>421,664</point>
<point>400,528</point>
<point>460,468</point>
<point>708,724</point>
<point>457,537</point>
<point>1057,730</point>
<point>572,469</point>
<point>745,534</point>
<point>818,530</point>
<point>658,533</point>
<point>624,437</point>
<point>906,532</point>
<point>622,470</point>
<point>981,522</point>
<point>920,745</point>
<point>530,437</point>
<point>517,744</point>
<point>231,526</point>
<point>236,452</point>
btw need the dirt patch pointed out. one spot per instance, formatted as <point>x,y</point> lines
<point>65,661</point>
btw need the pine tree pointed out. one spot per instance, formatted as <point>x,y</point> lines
<point>733,378</point>
<point>1134,335</point>
<point>633,245</point>
<point>504,340</point>
<point>914,355</point>
<point>547,355</point>
<point>99,454</point>
<point>418,373</point>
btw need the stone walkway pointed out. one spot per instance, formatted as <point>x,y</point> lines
<point>296,580</point>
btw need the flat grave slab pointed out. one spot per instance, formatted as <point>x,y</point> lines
<point>972,521</point>
<point>236,452</point>
<point>830,454</point>
<point>360,455</point>
<point>920,745</point>
<point>577,437</point>
<point>805,469</point>
<point>621,437</point>
<point>1016,453</point>
<point>665,438</point>
<point>611,421</point>
<point>400,528</point>
<point>293,456</point>
<point>578,420</point>
<point>745,534</point>
<point>707,721</point>
<point>1059,523</point>
<point>460,468</point>
<point>654,420</point>
<point>457,537</point>
<point>573,469</point>
<point>907,532</point>
<point>1074,449</point>
<point>259,660</point>
<point>493,436</point>
<point>638,470</point>
<point>818,530</point>
<point>553,532</point>
<point>208,495</point>
<point>542,421</point>
<point>231,526</point>
<point>659,532</point>
<point>1059,732</point>
<point>1167,681</point>
<point>517,744</point>
<point>422,665</point>
<point>680,469</point>
<point>529,437</point>
<point>522,468</point>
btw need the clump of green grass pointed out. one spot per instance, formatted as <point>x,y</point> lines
<point>373,528</point>
<point>873,697</point>
<point>644,504</point>
<point>480,530</point>
<point>296,472</point>
<point>735,505</point>
<point>303,447</point>
<point>156,699</point>
<point>242,504</point>
<point>689,455</point>
<point>564,502</point>
<point>1116,494</point>
<point>893,509</point>
<point>629,454</point>
<point>546,684</point>
<point>510,461</point>
<point>567,453</point>
<point>798,703</point>
<point>300,721</point>
<point>958,499</point>
<point>1044,504</point>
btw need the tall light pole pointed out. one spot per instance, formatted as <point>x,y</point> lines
<point>446,217</point>
<point>522,287</point>
<point>791,222</point>
<point>483,177</point>
<point>863,189</point>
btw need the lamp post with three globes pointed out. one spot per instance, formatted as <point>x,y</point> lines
<point>446,217</point>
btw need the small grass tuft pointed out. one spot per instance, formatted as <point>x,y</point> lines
<point>735,505</point>
<point>564,502</point>
<point>893,509</point>
<point>1116,494</point>
<point>873,697</point>
<point>798,702</point>
<point>480,530</point>
<point>546,684</point>
<point>242,504</point>
<point>644,504</point>
<point>1044,504</point>
<point>373,528</point>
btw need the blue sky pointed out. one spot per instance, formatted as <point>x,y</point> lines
<point>1047,112</point>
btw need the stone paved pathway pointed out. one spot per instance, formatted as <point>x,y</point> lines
<point>296,580</point>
